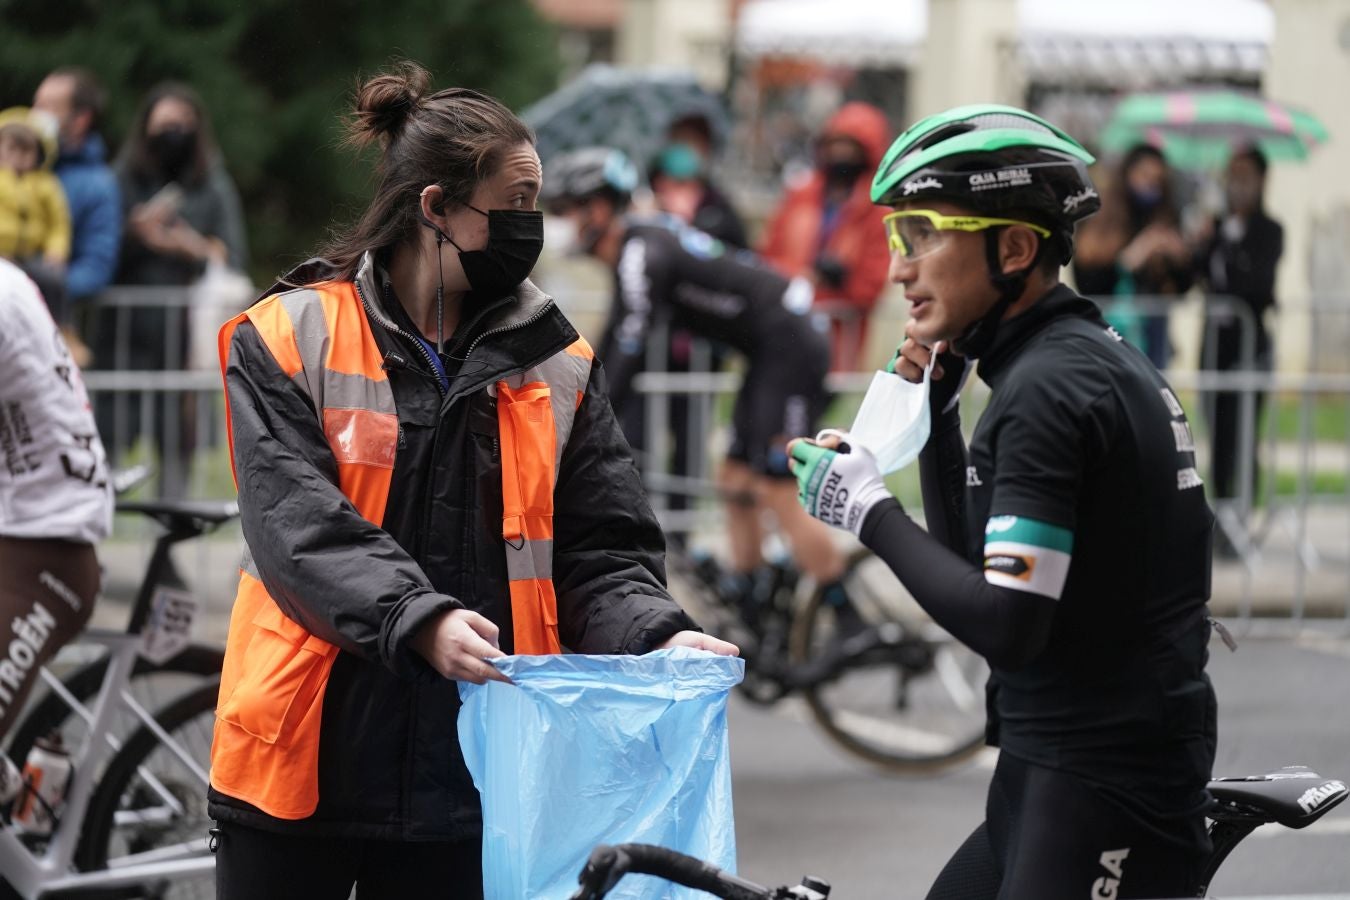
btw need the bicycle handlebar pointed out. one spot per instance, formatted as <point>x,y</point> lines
<point>608,865</point>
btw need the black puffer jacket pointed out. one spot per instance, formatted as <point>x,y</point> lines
<point>389,758</point>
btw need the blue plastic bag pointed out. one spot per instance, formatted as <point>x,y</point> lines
<point>587,750</point>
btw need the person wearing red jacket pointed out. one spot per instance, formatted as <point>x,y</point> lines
<point>826,228</point>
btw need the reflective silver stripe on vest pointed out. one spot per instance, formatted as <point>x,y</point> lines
<point>248,565</point>
<point>343,390</point>
<point>305,310</point>
<point>529,559</point>
<point>327,388</point>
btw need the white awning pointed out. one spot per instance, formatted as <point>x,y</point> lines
<point>1055,37</point>
<point>1219,21</point>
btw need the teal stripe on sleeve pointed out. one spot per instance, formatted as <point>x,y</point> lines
<point>1018,530</point>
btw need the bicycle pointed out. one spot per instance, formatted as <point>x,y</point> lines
<point>883,681</point>
<point>136,825</point>
<point>1294,797</point>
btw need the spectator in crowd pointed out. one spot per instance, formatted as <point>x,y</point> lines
<point>1236,259</point>
<point>1135,248</point>
<point>75,99</point>
<point>827,228</point>
<point>682,185</point>
<point>182,215</point>
<point>34,224</point>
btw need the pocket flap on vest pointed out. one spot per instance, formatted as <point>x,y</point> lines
<point>283,673</point>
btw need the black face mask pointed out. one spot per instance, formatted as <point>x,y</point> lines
<point>172,149</point>
<point>515,238</point>
<point>843,174</point>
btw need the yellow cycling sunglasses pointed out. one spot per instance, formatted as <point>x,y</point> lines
<point>918,232</point>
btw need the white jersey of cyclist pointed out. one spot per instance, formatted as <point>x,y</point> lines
<point>53,471</point>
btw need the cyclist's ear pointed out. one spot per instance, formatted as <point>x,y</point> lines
<point>1017,248</point>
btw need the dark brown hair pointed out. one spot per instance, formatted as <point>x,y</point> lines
<point>86,93</point>
<point>454,138</point>
<point>136,151</point>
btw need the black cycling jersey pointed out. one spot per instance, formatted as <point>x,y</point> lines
<point>1084,571</point>
<point>670,271</point>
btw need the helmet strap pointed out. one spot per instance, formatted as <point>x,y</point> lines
<point>976,340</point>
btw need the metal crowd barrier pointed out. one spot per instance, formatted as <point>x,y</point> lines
<point>1270,576</point>
<point>157,400</point>
<point>1293,546</point>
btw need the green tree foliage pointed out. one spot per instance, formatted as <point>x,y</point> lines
<point>277,77</point>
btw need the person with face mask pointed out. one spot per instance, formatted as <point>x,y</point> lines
<point>73,97</point>
<point>1135,249</point>
<point>825,229</point>
<point>182,215</point>
<point>1237,258</point>
<point>1069,544</point>
<point>430,476</point>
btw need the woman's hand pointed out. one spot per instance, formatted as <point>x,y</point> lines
<point>700,641</point>
<point>457,643</point>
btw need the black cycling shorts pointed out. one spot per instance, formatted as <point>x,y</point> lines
<point>781,398</point>
<point>47,592</point>
<point>1049,835</point>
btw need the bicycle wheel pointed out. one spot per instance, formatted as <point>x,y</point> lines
<point>916,710</point>
<point>152,685</point>
<point>151,801</point>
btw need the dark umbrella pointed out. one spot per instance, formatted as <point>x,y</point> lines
<point>1199,129</point>
<point>629,109</point>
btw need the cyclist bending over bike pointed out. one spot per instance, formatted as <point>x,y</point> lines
<point>664,268</point>
<point>1070,547</point>
<point>55,498</point>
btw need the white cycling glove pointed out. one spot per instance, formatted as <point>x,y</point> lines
<point>839,488</point>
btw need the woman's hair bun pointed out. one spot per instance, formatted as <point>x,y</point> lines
<point>384,103</point>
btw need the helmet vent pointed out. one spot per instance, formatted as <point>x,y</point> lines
<point>988,121</point>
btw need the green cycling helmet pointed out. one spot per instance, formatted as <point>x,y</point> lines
<point>993,159</point>
<point>998,161</point>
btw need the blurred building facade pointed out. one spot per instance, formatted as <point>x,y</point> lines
<point>786,65</point>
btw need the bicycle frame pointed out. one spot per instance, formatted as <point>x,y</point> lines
<point>34,875</point>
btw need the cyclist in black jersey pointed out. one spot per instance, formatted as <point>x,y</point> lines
<point>665,270</point>
<point>1070,546</point>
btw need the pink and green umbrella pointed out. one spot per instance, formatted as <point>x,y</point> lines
<point>1200,129</point>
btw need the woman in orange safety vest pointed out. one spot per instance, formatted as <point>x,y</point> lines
<point>430,476</point>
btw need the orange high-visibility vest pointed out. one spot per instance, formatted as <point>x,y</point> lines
<point>265,749</point>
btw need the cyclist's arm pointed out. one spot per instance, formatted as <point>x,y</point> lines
<point>640,285</point>
<point>608,555</point>
<point>1007,627</point>
<point>331,570</point>
<point>1003,609</point>
<point>942,478</point>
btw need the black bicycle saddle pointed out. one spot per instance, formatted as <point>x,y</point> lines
<point>184,516</point>
<point>1294,796</point>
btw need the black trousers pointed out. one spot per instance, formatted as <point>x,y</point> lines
<point>1048,835</point>
<point>1224,410</point>
<point>252,864</point>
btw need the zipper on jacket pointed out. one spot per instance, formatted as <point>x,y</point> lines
<point>493,332</point>
<point>390,326</point>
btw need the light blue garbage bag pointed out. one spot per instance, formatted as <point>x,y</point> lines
<point>587,750</point>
